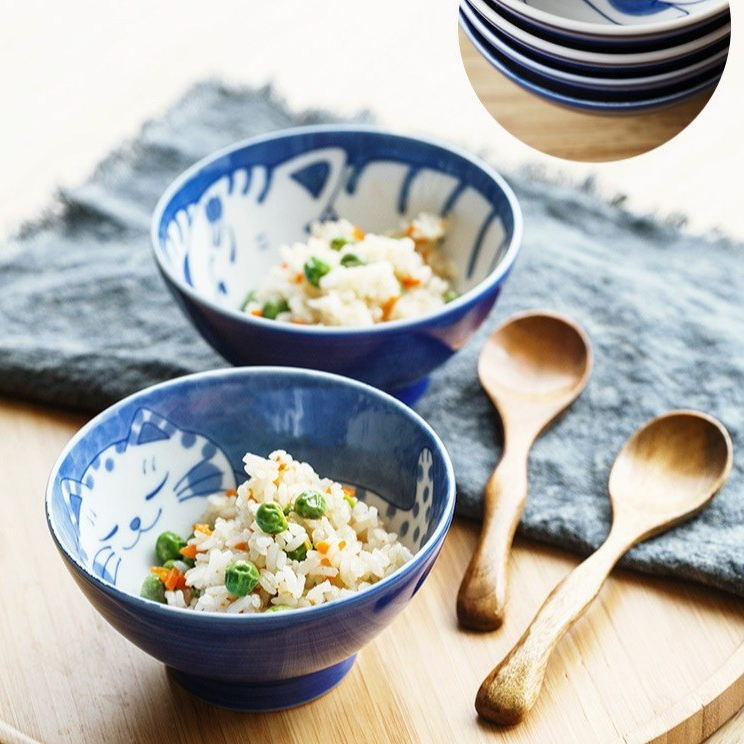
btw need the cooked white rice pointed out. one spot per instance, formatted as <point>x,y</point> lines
<point>349,548</point>
<point>400,275</point>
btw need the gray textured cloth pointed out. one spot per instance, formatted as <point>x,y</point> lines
<point>85,320</point>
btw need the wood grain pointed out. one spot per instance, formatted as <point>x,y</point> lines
<point>648,657</point>
<point>667,471</point>
<point>533,367</point>
<point>568,134</point>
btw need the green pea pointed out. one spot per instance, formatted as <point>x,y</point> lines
<point>338,243</point>
<point>272,308</point>
<point>310,505</point>
<point>315,269</point>
<point>278,608</point>
<point>197,592</point>
<point>350,500</point>
<point>299,554</point>
<point>450,295</point>
<point>241,577</point>
<point>152,588</point>
<point>168,547</point>
<point>351,260</point>
<point>271,519</point>
<point>250,297</point>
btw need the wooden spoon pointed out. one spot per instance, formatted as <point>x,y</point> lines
<point>666,472</point>
<point>532,367</point>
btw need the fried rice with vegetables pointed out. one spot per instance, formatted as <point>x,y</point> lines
<point>286,539</point>
<point>344,277</point>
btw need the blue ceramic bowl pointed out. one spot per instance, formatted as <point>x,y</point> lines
<point>593,83</point>
<point>581,99</point>
<point>633,39</point>
<point>217,229</point>
<point>618,22</point>
<point>147,464</point>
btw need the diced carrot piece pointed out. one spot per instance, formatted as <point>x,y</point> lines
<point>358,233</point>
<point>325,561</point>
<point>323,546</point>
<point>181,582</point>
<point>387,308</point>
<point>299,278</point>
<point>409,281</point>
<point>241,546</point>
<point>349,491</point>
<point>160,572</point>
<point>188,552</point>
<point>257,312</point>
<point>171,580</point>
<point>342,545</point>
<point>231,492</point>
<point>205,529</point>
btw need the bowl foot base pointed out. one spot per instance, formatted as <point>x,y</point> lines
<point>411,393</point>
<point>263,696</point>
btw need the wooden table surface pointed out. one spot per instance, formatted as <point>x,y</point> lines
<point>66,676</point>
<point>57,133</point>
<point>569,134</point>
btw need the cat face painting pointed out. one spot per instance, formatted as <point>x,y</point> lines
<point>129,487</point>
<point>227,211</point>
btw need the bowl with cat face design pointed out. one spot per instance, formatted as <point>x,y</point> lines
<point>218,229</point>
<point>149,463</point>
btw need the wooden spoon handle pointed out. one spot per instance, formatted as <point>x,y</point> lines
<point>482,597</point>
<point>512,688</point>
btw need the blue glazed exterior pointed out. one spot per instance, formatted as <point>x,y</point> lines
<point>390,361</point>
<point>348,431</point>
<point>391,356</point>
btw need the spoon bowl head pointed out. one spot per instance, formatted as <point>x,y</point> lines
<point>536,357</point>
<point>672,467</point>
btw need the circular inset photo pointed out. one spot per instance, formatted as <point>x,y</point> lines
<point>612,78</point>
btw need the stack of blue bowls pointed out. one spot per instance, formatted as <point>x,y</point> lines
<point>605,56</point>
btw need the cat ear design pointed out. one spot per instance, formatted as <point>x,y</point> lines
<point>73,493</point>
<point>316,174</point>
<point>148,426</point>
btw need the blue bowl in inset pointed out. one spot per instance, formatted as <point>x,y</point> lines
<point>147,464</point>
<point>217,230</point>
<point>579,98</point>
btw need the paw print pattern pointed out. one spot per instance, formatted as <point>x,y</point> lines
<point>416,521</point>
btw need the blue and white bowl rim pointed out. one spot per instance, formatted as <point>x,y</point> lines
<point>469,298</point>
<point>207,617</point>
<point>598,29</point>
